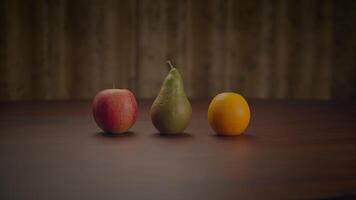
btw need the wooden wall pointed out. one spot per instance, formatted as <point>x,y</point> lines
<point>62,49</point>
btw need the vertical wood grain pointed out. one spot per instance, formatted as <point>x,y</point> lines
<point>218,74</point>
<point>243,46</point>
<point>80,48</point>
<point>279,84</point>
<point>266,49</point>
<point>323,34</point>
<point>189,55</point>
<point>229,52</point>
<point>114,49</point>
<point>61,49</point>
<point>56,45</point>
<point>200,15</point>
<point>295,47</point>
<point>127,45</point>
<point>19,50</point>
<point>152,47</point>
<point>176,37</point>
<point>4,92</point>
<point>344,62</point>
<point>40,49</point>
<point>45,66</point>
<point>308,50</point>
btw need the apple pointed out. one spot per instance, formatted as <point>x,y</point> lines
<point>115,110</point>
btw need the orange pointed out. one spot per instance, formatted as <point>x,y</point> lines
<point>229,114</point>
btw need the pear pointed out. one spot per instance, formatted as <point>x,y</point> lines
<point>171,111</point>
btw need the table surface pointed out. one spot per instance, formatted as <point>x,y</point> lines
<point>291,150</point>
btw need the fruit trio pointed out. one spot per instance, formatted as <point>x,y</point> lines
<point>115,110</point>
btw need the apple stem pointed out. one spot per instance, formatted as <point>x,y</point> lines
<point>113,85</point>
<point>170,64</point>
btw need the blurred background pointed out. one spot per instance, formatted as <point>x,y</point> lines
<point>63,49</point>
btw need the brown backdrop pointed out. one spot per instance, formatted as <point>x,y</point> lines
<point>68,49</point>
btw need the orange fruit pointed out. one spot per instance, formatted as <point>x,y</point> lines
<point>229,114</point>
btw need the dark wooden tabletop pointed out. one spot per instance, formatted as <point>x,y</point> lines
<point>292,150</point>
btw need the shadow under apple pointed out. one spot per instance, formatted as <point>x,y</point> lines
<point>103,134</point>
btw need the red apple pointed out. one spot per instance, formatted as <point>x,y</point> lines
<point>115,110</point>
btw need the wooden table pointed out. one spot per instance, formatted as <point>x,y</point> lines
<point>292,149</point>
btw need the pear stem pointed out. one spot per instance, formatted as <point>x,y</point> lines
<point>170,64</point>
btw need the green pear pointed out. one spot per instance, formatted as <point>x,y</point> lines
<point>171,111</point>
